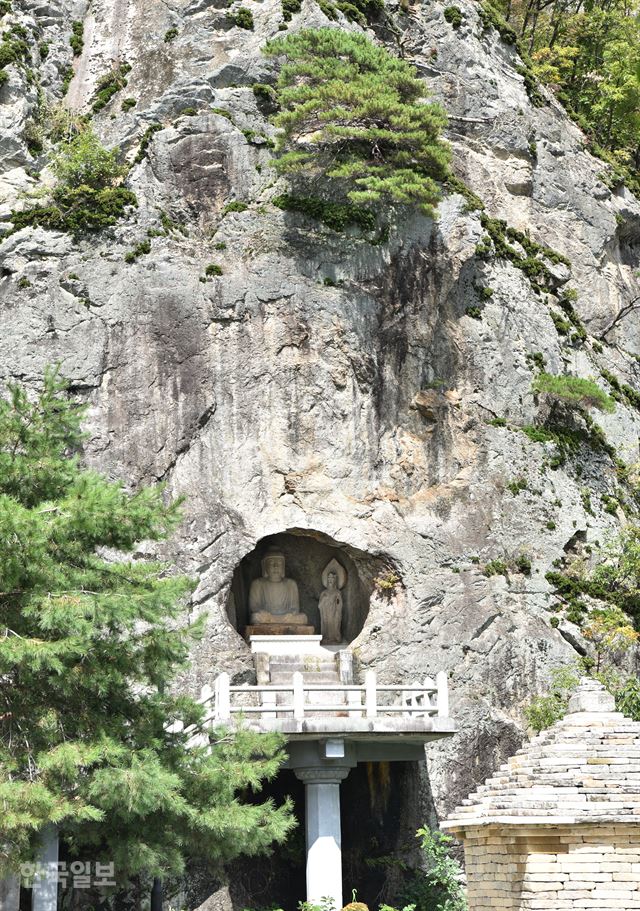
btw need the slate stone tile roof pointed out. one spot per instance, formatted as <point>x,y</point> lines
<point>584,769</point>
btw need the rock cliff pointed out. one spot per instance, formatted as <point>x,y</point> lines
<point>366,394</point>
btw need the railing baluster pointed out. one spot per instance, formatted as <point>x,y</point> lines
<point>407,701</point>
<point>355,700</point>
<point>443,694</point>
<point>223,702</point>
<point>205,700</point>
<point>428,700</point>
<point>298,696</point>
<point>267,698</point>
<point>371,696</point>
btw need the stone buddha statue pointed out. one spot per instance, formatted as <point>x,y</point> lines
<point>274,598</point>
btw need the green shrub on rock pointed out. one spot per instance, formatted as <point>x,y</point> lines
<point>243,18</point>
<point>453,15</point>
<point>574,390</point>
<point>84,161</point>
<point>86,196</point>
<point>109,85</point>
<point>77,38</point>
<point>353,116</point>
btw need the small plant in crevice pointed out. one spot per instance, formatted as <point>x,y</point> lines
<point>170,34</point>
<point>473,202</point>
<point>290,8</point>
<point>387,582</point>
<point>257,138</point>
<point>620,391</point>
<point>109,85</point>
<point>453,15</point>
<point>139,250</point>
<point>474,311</point>
<point>235,206</point>
<point>495,568</point>
<point>67,76</point>
<point>23,283</point>
<point>484,293</point>
<point>128,103</point>
<point>145,141</point>
<point>562,326</point>
<point>364,12</point>
<point>13,50</point>
<point>77,38</point>
<point>536,360</point>
<point>517,485</point>
<point>169,225</point>
<point>243,18</point>
<point>519,563</point>
<point>610,504</point>
<point>266,97</point>
<point>565,301</point>
<point>532,258</point>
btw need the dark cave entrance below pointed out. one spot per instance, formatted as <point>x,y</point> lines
<point>380,812</point>
<point>306,554</point>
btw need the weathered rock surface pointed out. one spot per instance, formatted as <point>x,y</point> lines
<point>323,383</point>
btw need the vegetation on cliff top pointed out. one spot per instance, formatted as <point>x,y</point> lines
<point>354,122</point>
<point>589,54</point>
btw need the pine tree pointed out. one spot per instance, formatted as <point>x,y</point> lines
<point>89,644</point>
<point>355,115</point>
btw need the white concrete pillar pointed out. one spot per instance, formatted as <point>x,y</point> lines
<point>45,886</point>
<point>324,843</point>
<point>10,893</point>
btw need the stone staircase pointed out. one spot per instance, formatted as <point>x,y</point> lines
<point>329,668</point>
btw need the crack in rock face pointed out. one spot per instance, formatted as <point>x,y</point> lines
<point>364,392</point>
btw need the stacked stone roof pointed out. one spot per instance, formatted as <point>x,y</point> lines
<point>584,769</point>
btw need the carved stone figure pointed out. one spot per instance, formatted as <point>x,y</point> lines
<point>274,598</point>
<point>330,604</point>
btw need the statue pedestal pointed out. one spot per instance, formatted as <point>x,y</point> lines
<point>298,644</point>
<point>278,629</point>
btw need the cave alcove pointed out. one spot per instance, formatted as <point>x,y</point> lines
<point>306,554</point>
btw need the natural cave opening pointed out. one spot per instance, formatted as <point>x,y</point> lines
<point>307,555</point>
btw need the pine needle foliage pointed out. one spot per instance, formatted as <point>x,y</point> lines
<point>355,116</point>
<point>574,390</point>
<point>88,649</point>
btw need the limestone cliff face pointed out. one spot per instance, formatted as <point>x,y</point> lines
<point>324,384</point>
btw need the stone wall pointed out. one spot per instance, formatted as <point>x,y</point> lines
<point>553,868</point>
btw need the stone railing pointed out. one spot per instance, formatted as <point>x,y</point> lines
<point>300,699</point>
